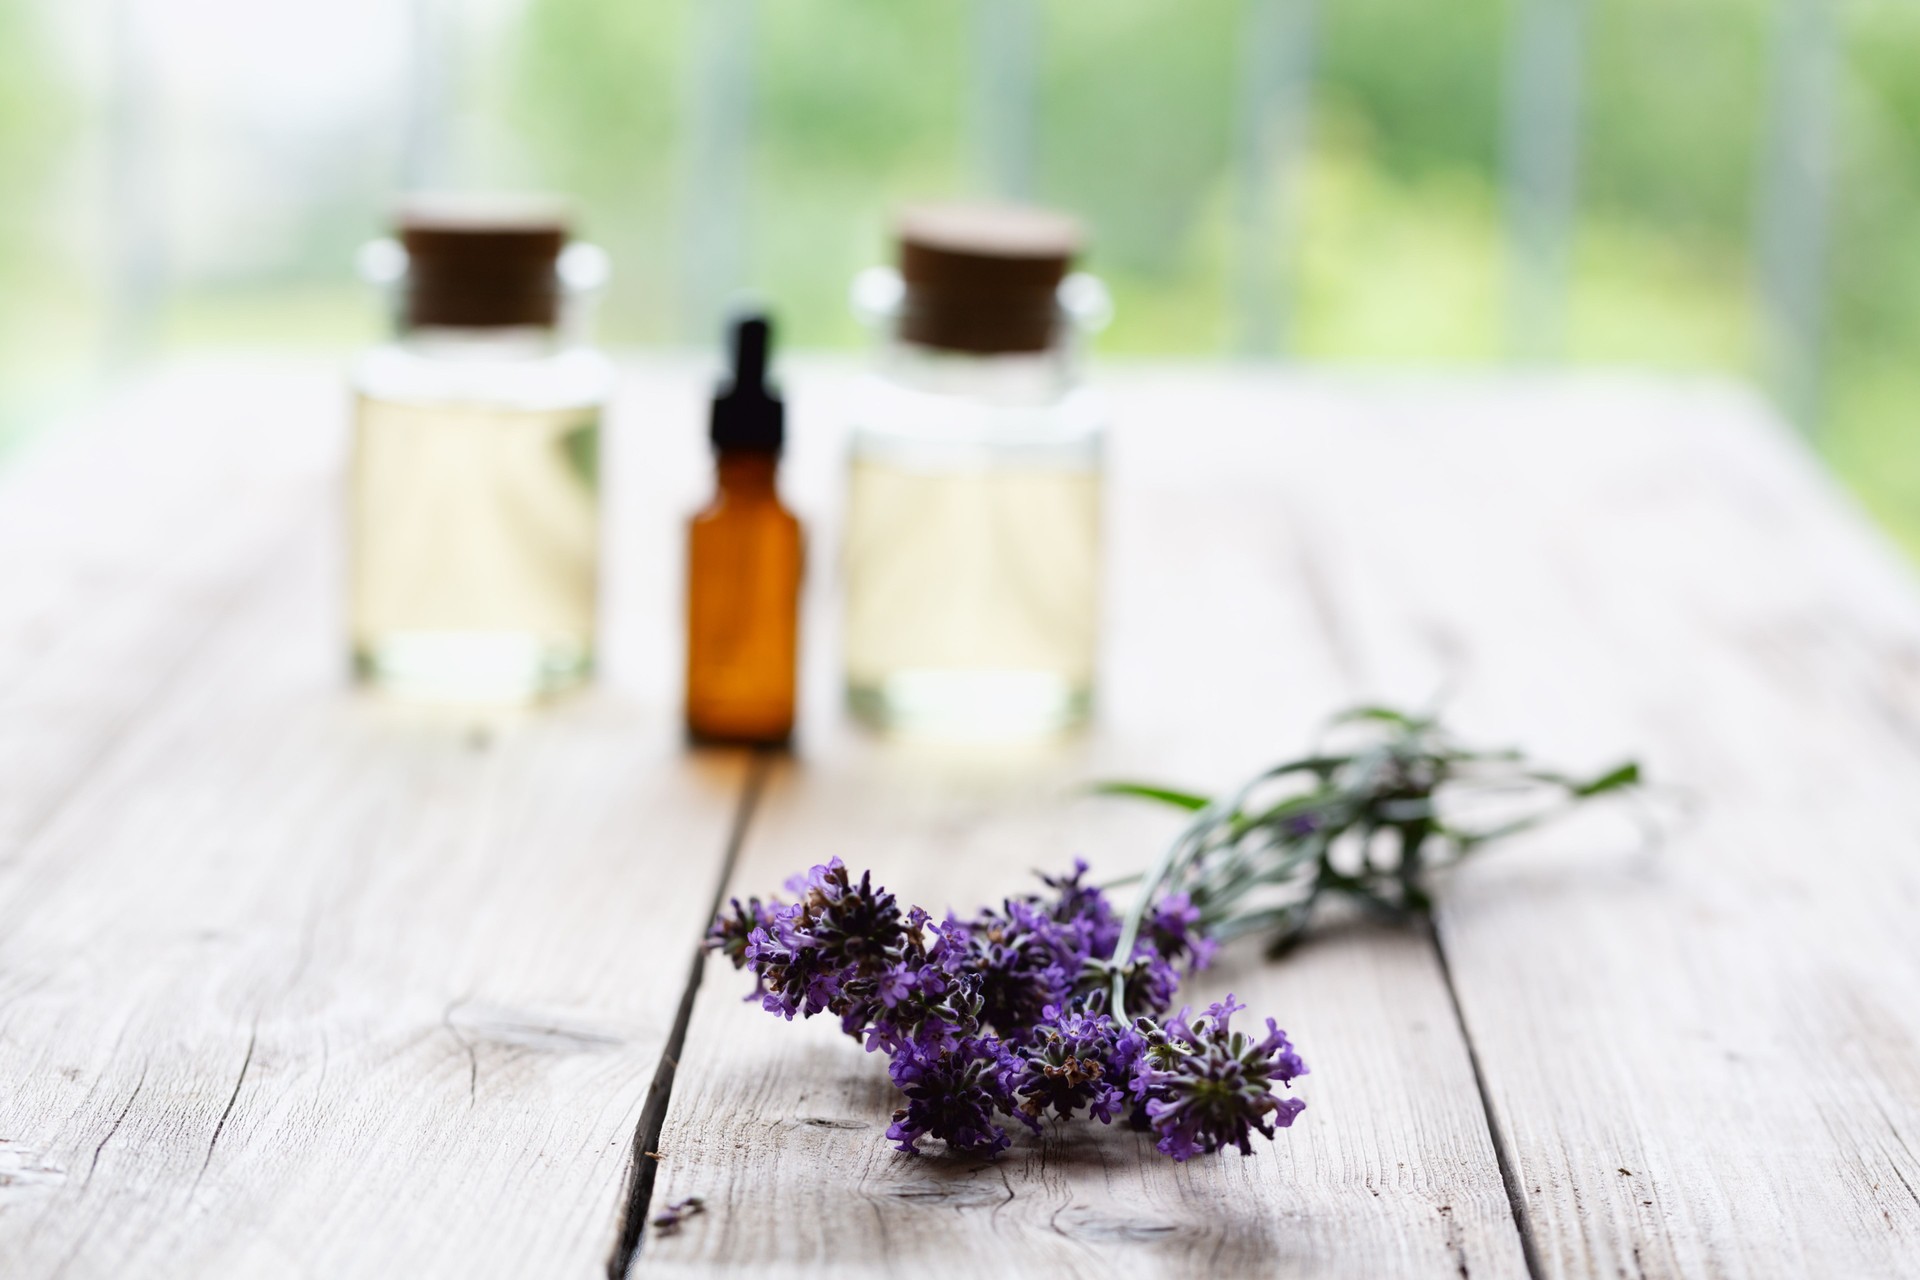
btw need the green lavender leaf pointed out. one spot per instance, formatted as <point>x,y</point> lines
<point>1164,795</point>
<point>1626,775</point>
<point>1384,715</point>
<point>1366,825</point>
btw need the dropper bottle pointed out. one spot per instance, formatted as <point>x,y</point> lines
<point>744,557</point>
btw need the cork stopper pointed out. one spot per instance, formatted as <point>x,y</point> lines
<point>482,262</point>
<point>983,278</point>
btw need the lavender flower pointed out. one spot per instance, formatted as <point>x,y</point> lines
<point>1085,905</point>
<point>853,926</point>
<point>733,928</point>
<point>954,1095</point>
<point>1206,1086</point>
<point>1076,1061</point>
<point>807,952</point>
<point>668,1220</point>
<point>793,976</point>
<point>1027,961</point>
<point>1006,1013</point>
<point>916,1006</point>
<point>1173,926</point>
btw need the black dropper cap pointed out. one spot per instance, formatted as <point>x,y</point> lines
<point>747,414</point>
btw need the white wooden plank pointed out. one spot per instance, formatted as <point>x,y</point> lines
<point>126,536</point>
<point>1218,664</point>
<point>1705,1058</point>
<point>298,982</point>
<point>1594,568</point>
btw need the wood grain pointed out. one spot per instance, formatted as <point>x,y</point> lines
<point>1705,1056</point>
<point>1219,661</point>
<point>128,542</point>
<point>293,981</point>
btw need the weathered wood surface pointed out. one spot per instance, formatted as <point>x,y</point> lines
<point>295,983</point>
<point>292,982</point>
<point>1705,1055</point>
<point>779,1127</point>
<point>1702,1059</point>
<point>123,547</point>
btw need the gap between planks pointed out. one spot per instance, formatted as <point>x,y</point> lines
<point>1503,1153</point>
<point>642,1170</point>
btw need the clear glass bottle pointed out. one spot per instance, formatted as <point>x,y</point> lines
<point>473,508</point>
<point>972,553</point>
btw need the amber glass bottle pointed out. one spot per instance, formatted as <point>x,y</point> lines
<point>743,566</point>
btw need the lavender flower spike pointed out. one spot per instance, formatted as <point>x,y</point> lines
<point>1006,1013</point>
<point>1077,1061</point>
<point>953,1096</point>
<point>1207,1086</point>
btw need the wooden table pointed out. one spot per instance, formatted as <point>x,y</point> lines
<point>294,982</point>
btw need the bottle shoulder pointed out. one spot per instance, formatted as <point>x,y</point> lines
<point>572,377</point>
<point>903,423</point>
<point>766,512</point>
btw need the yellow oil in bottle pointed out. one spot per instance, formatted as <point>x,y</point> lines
<point>474,544</point>
<point>972,596</point>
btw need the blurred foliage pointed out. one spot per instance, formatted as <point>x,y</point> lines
<point>856,105</point>
<point>1397,238</point>
<point>1674,111</point>
<point>36,121</point>
<point>599,93</point>
<point>1426,80</point>
<point>860,106</point>
<point>31,116</point>
<point>1872,425</point>
<point>1136,105</point>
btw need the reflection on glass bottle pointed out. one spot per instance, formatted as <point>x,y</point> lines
<point>973,523</point>
<point>473,512</point>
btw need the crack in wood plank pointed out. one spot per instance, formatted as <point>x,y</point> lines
<point>114,1128</point>
<point>246,1064</point>
<point>473,1055</point>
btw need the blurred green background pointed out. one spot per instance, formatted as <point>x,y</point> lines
<point>162,189</point>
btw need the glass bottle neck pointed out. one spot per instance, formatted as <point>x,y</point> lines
<point>517,342</point>
<point>746,473</point>
<point>1010,378</point>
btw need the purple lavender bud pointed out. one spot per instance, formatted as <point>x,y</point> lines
<point>1206,1086</point>
<point>1086,906</point>
<point>853,924</point>
<point>934,1013</point>
<point>954,1096</point>
<point>809,954</point>
<point>1303,824</point>
<point>668,1220</point>
<point>1073,1063</point>
<point>730,930</point>
<point>1173,926</point>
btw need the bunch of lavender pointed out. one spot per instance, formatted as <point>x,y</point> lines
<point>1019,1012</point>
<point>1368,822</point>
